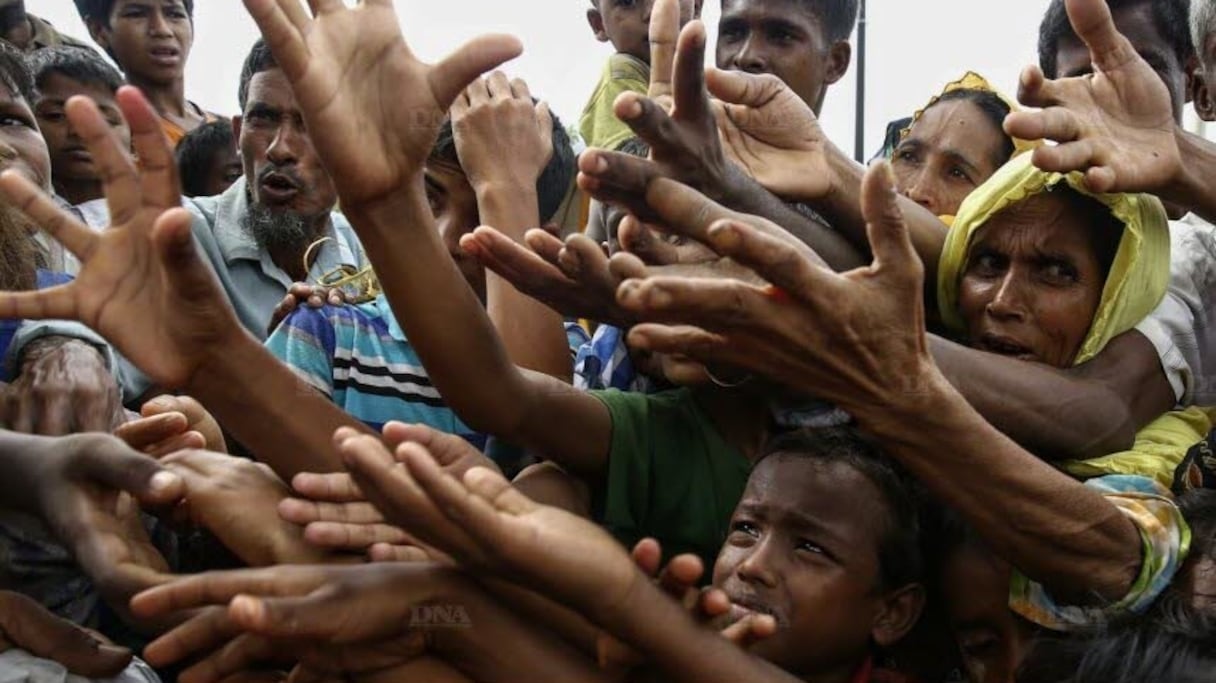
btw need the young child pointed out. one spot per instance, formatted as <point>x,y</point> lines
<point>207,160</point>
<point>625,24</point>
<point>61,73</point>
<point>155,62</point>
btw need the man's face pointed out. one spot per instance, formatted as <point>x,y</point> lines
<point>454,205</point>
<point>1135,22</point>
<point>804,548</point>
<point>150,39</point>
<point>1205,98</point>
<point>22,148</point>
<point>15,25</point>
<point>70,161</point>
<point>282,168</point>
<point>779,37</point>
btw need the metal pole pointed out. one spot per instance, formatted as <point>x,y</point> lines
<point>859,150</point>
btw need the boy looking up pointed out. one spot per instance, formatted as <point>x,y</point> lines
<point>150,40</point>
<point>625,24</point>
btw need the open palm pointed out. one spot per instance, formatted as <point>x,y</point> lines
<point>358,83</point>
<point>141,284</point>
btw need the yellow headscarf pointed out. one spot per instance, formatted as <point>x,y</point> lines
<point>974,81</point>
<point>1138,280</point>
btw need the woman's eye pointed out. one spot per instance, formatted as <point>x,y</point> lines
<point>1060,273</point>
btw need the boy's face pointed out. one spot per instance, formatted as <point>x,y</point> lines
<point>626,23</point>
<point>454,204</point>
<point>991,638</point>
<point>22,148</point>
<point>1136,22</point>
<point>225,169</point>
<point>783,38</point>
<point>69,158</point>
<point>803,546</point>
<point>150,39</point>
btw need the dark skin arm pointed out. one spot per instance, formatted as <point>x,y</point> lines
<point>381,188</point>
<point>1089,411</point>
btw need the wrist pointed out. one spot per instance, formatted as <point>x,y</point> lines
<point>910,412</point>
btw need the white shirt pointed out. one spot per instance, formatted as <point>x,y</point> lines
<point>1183,328</point>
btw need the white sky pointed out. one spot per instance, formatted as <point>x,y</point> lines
<point>915,48</point>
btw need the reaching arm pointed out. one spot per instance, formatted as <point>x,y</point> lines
<point>1193,188</point>
<point>1088,411</point>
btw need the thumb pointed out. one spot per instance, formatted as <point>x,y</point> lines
<point>738,87</point>
<point>115,466</point>
<point>451,76</point>
<point>29,626</point>
<point>287,617</point>
<point>885,225</point>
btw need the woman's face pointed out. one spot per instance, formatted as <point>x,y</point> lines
<point>950,150</point>
<point>1033,280</point>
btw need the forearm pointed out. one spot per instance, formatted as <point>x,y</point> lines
<point>286,423</point>
<point>531,332</point>
<point>1078,413</point>
<point>489,651</point>
<point>842,206</point>
<point>745,195</point>
<point>1194,189</point>
<point>1057,531</point>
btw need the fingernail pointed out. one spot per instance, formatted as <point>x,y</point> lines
<point>724,234</point>
<point>163,481</point>
<point>600,164</point>
<point>633,109</point>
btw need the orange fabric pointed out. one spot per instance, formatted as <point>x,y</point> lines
<point>175,133</point>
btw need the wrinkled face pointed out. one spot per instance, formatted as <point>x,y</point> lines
<point>779,37</point>
<point>951,150</point>
<point>283,170</point>
<point>22,148</point>
<point>454,205</point>
<point>150,39</point>
<point>992,639</point>
<point>15,25</point>
<point>1033,281</point>
<point>804,548</point>
<point>1135,22</point>
<point>69,158</point>
<point>626,23</point>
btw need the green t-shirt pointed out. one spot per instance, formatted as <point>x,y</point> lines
<point>671,476</point>
<point>599,125</point>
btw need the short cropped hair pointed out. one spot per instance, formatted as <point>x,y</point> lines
<point>554,182</point>
<point>99,10</point>
<point>839,17</point>
<point>901,554</point>
<point>1172,18</point>
<point>1203,22</point>
<point>77,63</point>
<point>15,73</point>
<point>259,59</point>
<point>195,152</point>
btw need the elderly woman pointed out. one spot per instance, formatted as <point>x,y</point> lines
<point>954,145</point>
<point>1038,268</point>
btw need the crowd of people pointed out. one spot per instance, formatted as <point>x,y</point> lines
<point>380,381</point>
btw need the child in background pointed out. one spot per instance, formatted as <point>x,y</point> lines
<point>207,160</point>
<point>625,24</point>
<point>61,73</point>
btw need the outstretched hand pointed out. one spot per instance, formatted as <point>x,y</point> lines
<point>857,339</point>
<point>142,284</point>
<point>1117,125</point>
<point>361,88</point>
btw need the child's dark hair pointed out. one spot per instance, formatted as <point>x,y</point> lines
<point>554,182</point>
<point>77,63</point>
<point>15,73</point>
<point>196,151</point>
<point>1171,17</point>
<point>900,553</point>
<point>259,59</point>
<point>993,107</point>
<point>99,10</point>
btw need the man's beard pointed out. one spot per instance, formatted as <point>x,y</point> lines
<point>278,231</point>
<point>19,253</point>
